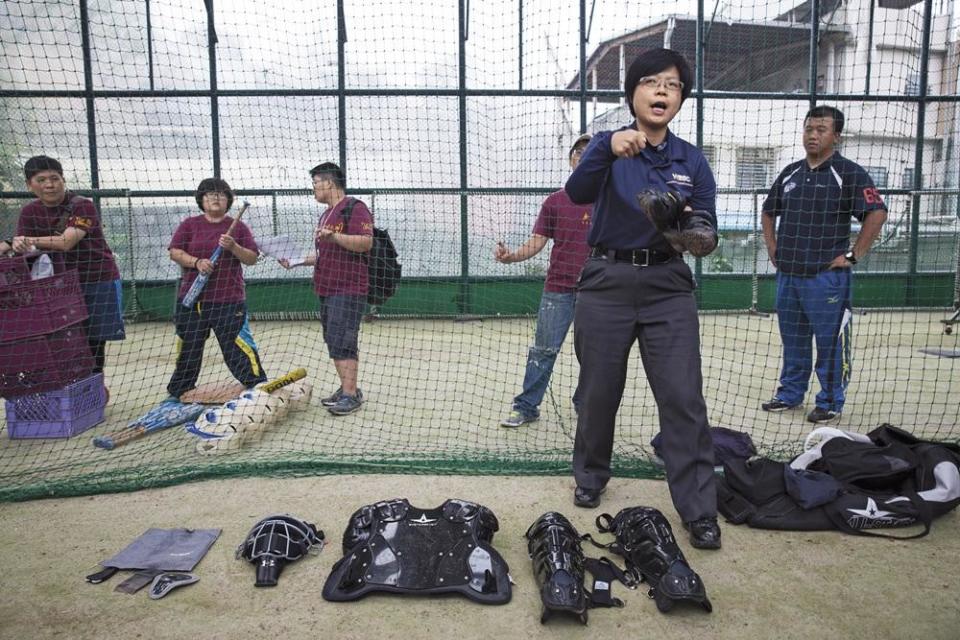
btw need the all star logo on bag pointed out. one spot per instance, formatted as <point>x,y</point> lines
<point>873,517</point>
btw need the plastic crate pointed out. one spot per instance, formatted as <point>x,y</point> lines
<point>46,363</point>
<point>14,270</point>
<point>39,307</point>
<point>58,414</point>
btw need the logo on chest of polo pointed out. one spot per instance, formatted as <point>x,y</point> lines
<point>790,186</point>
<point>585,220</point>
<point>336,228</point>
<point>681,178</point>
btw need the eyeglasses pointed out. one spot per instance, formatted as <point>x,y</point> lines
<point>215,195</point>
<point>321,181</point>
<point>653,82</point>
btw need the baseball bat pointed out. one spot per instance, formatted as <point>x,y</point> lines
<point>201,280</point>
<point>167,414</point>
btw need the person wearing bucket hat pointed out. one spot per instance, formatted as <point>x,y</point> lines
<point>567,224</point>
<point>636,288</point>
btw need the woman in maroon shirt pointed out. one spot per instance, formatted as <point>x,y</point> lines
<point>222,305</point>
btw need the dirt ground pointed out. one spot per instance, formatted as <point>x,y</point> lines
<point>762,584</point>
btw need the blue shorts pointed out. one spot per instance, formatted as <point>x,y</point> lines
<point>105,306</point>
<point>340,317</point>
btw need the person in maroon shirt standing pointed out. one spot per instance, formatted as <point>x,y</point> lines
<point>567,223</point>
<point>68,226</point>
<point>222,305</point>
<point>343,238</point>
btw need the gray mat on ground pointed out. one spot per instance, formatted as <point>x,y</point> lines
<point>165,549</point>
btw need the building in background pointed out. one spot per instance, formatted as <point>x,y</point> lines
<point>868,48</point>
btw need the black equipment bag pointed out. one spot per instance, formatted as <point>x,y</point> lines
<point>892,481</point>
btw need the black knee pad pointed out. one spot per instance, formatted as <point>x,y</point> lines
<point>558,565</point>
<point>645,539</point>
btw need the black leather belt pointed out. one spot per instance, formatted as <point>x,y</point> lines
<point>636,257</point>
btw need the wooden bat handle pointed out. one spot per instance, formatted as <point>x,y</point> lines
<point>243,209</point>
<point>114,440</point>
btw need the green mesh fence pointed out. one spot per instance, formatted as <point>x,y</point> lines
<point>454,122</point>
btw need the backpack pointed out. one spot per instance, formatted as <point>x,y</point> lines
<point>383,267</point>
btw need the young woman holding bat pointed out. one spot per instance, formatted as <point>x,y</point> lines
<point>221,306</point>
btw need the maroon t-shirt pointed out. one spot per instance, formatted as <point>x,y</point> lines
<point>199,237</point>
<point>91,257</point>
<point>340,272</point>
<point>567,223</point>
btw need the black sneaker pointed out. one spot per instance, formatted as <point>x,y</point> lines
<point>587,498</point>
<point>820,414</point>
<point>704,533</point>
<point>776,405</point>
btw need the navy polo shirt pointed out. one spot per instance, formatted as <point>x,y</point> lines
<point>815,207</point>
<point>612,185</point>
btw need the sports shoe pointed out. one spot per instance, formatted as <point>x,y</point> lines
<point>820,414</point>
<point>331,399</point>
<point>776,405</point>
<point>516,419</point>
<point>587,498</point>
<point>346,404</point>
<point>704,533</point>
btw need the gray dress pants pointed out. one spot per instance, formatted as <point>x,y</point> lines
<point>619,304</point>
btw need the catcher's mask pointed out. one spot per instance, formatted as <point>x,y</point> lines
<point>275,541</point>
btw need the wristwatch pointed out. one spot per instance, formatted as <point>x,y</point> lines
<point>851,257</point>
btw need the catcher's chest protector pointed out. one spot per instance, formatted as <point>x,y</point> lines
<point>395,547</point>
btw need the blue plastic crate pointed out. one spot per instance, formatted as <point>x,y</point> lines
<point>58,414</point>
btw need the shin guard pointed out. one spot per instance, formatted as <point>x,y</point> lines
<point>645,539</point>
<point>558,565</point>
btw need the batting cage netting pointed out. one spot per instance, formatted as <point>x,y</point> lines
<point>455,125</point>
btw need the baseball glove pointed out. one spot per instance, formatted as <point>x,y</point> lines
<point>664,209</point>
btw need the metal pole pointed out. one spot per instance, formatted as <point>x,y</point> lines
<point>870,47</point>
<point>583,65</point>
<point>918,157</point>
<point>520,45</point>
<point>275,217</point>
<point>698,262</point>
<point>149,46</point>
<point>814,49</point>
<point>214,99</point>
<point>463,303</point>
<point>88,91</point>
<point>131,248</point>
<point>342,83</point>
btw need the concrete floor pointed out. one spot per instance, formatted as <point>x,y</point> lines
<point>762,584</point>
